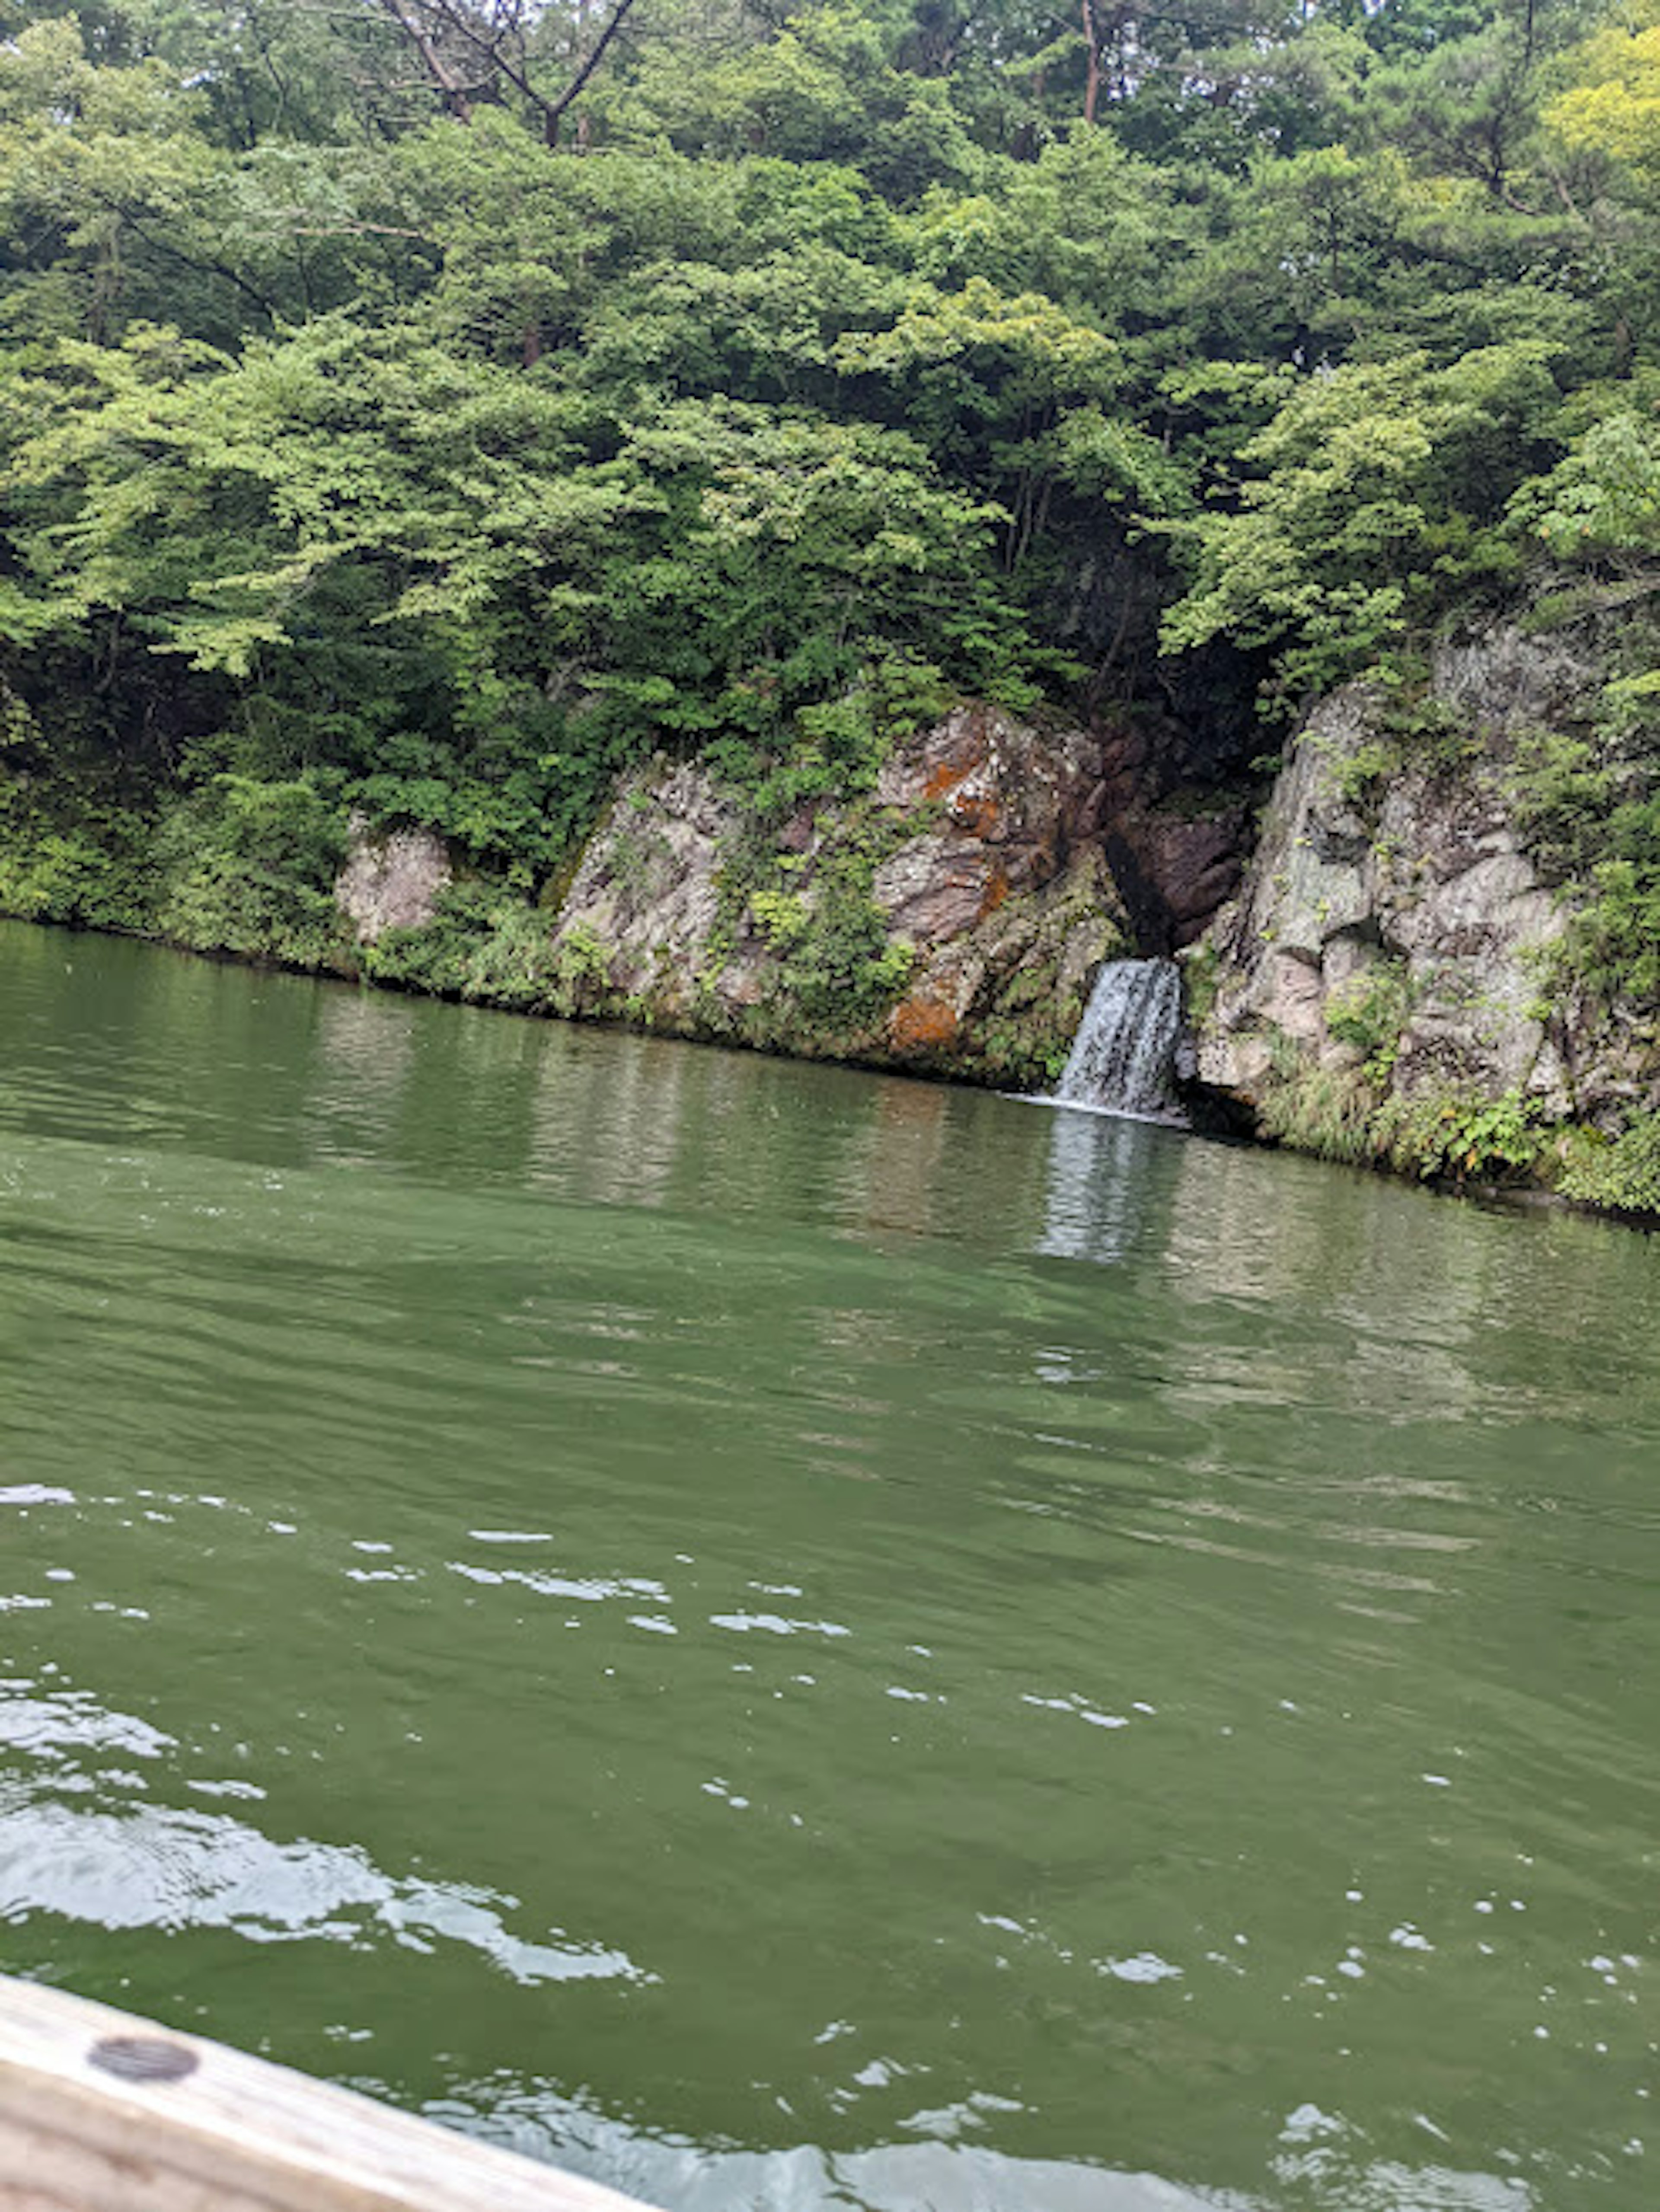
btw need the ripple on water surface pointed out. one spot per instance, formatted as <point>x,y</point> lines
<point>793,1639</point>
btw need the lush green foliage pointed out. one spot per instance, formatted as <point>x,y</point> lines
<point>1381,494</point>
<point>380,436</point>
<point>1461,1137</point>
<point>1455,1136</point>
<point>1622,1173</point>
<point>1370,1013</point>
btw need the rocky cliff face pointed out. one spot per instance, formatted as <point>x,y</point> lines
<point>1387,972</point>
<point>390,882</point>
<point>1385,986</point>
<point>949,920</point>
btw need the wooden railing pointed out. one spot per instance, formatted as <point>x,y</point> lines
<point>102,2113</point>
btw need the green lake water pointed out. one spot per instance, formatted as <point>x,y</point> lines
<point>793,1639</point>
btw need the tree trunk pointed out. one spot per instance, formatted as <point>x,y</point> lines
<point>1092,60</point>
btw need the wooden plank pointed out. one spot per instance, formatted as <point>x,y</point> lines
<point>101,2111</point>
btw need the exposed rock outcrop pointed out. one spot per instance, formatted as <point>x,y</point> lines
<point>390,882</point>
<point>1393,933</point>
<point>949,919</point>
<point>1176,840</point>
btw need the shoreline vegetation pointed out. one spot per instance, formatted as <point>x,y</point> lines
<point>459,421</point>
<point>1214,1116</point>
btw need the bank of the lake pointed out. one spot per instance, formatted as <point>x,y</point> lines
<point>783,1637</point>
<point>1400,961</point>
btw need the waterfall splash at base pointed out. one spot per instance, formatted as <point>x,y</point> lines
<point>1124,1056</point>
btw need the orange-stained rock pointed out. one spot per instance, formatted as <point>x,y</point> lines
<point>922,1023</point>
<point>990,904</point>
<point>997,890</point>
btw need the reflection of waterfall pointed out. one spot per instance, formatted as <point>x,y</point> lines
<point>1123,1058</point>
<point>1104,1177</point>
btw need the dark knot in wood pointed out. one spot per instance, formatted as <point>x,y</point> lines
<point>143,2059</point>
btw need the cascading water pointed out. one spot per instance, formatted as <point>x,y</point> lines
<point>1123,1058</point>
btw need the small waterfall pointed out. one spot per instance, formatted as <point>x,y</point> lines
<point>1123,1058</point>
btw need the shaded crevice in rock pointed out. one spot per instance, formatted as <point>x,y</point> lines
<point>1178,826</point>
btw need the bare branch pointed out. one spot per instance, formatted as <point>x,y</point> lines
<point>408,21</point>
<point>592,64</point>
<point>494,33</point>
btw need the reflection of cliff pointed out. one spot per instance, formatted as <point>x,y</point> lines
<point>447,1095</point>
<point>893,1173</point>
<point>1378,1299</point>
<point>1321,1255</point>
<point>363,1052</point>
<point>626,1119</point>
<point>605,1118</point>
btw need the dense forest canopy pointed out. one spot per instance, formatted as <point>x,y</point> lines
<point>422,407</point>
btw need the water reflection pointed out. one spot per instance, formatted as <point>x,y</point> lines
<point>1484,1308</point>
<point>802,1639</point>
<point>78,1844</point>
<point>365,1053</point>
<point>895,1168</point>
<point>1321,2163</point>
<point>1106,1193</point>
<point>608,1122</point>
